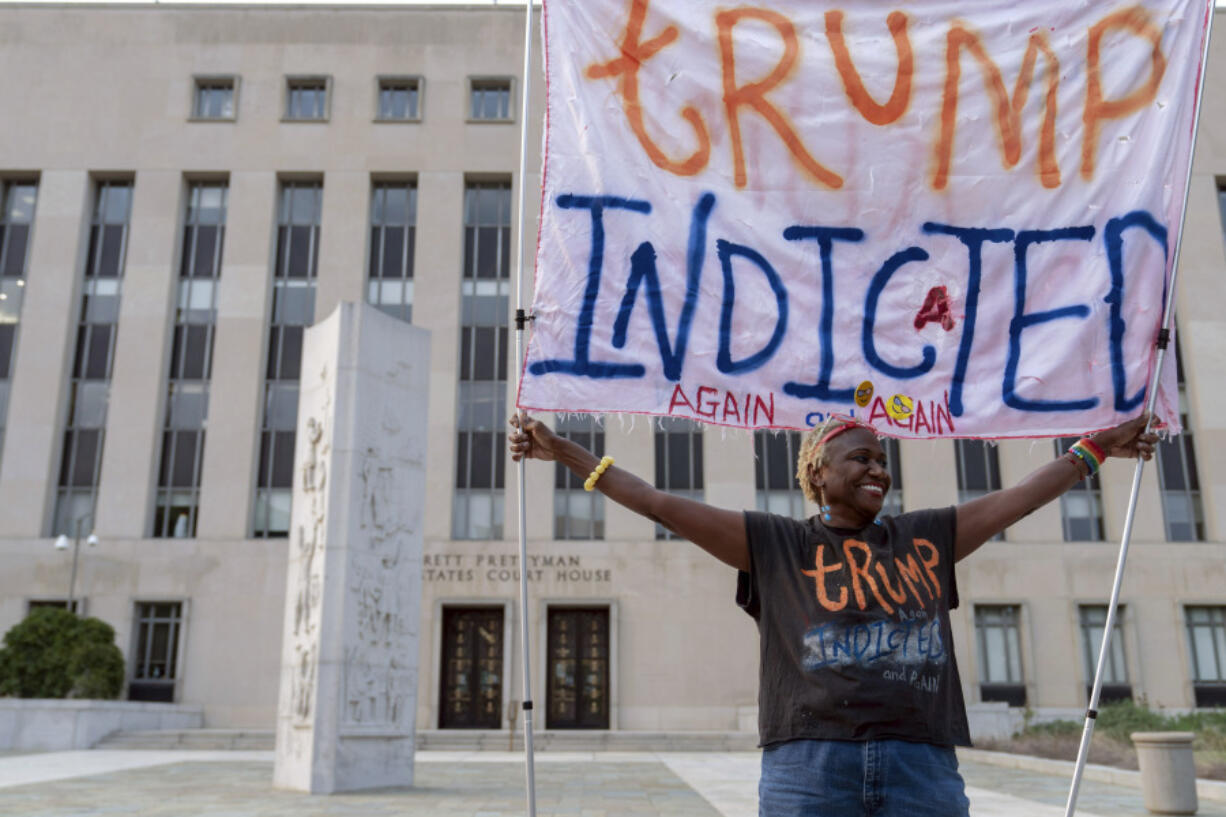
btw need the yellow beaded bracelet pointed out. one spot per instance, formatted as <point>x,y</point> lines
<point>592,478</point>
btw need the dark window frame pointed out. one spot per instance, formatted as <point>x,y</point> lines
<point>1010,690</point>
<point>1208,692</point>
<point>291,311</point>
<point>680,433</point>
<point>568,490</point>
<point>483,378</point>
<point>774,490</point>
<point>1087,490</point>
<point>1182,448</point>
<point>893,504</point>
<point>321,83</point>
<point>97,327</point>
<point>144,683</point>
<point>490,85</point>
<point>13,274</point>
<point>177,501</point>
<point>981,453</point>
<point>414,83</point>
<point>392,294</point>
<point>205,83</point>
<point>1116,684</point>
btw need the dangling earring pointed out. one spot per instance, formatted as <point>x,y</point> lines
<point>825,509</point>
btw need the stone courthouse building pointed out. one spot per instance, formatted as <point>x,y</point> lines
<point>186,188</point>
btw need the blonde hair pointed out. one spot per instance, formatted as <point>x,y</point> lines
<point>813,453</point>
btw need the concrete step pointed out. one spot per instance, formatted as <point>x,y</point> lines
<point>472,740</point>
<point>199,739</point>
<point>587,741</point>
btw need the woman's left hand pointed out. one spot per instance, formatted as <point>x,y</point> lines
<point>1128,439</point>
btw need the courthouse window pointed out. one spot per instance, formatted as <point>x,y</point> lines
<point>59,604</point>
<point>490,99</point>
<point>1207,648</point>
<point>1081,507</point>
<point>293,309</point>
<point>1093,619</point>
<point>893,455</point>
<point>775,473</point>
<point>214,98</point>
<point>191,361</point>
<point>485,291</point>
<point>1221,204</point>
<point>306,98</point>
<point>16,217</point>
<point>578,514</point>
<point>155,655</point>
<point>90,379</point>
<point>1181,500</point>
<point>678,443</point>
<point>393,241</point>
<point>978,470</point>
<point>998,643</point>
<point>399,99</point>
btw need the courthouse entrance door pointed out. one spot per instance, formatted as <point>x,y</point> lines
<point>578,668</point>
<point>471,688</point>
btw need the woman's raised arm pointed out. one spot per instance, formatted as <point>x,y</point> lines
<point>717,531</point>
<point>982,518</point>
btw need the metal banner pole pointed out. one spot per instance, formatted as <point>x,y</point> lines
<point>521,322</point>
<point>1151,399</point>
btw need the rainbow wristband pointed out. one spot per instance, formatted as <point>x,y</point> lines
<point>1089,454</point>
<point>1094,449</point>
<point>594,477</point>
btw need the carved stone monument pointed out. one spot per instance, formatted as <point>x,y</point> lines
<point>345,718</point>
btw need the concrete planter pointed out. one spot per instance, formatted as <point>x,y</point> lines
<point>47,724</point>
<point>1168,771</point>
<point>994,721</point>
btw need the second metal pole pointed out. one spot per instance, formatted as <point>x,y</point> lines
<point>520,326</point>
<point>1168,315</point>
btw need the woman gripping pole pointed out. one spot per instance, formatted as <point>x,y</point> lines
<point>860,704</point>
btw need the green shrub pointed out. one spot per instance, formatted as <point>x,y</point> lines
<point>1053,728</point>
<point>1117,721</point>
<point>53,653</point>
<point>1120,719</point>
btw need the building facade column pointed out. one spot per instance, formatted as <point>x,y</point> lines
<point>438,268</point>
<point>343,241</point>
<point>29,469</point>
<point>227,480</point>
<point>138,379</point>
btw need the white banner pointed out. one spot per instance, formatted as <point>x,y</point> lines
<point>947,219</point>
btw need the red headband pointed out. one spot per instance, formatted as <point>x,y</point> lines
<point>830,435</point>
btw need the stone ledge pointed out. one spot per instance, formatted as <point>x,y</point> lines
<point>1214,790</point>
<point>42,724</point>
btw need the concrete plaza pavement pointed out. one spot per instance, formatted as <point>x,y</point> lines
<point>479,784</point>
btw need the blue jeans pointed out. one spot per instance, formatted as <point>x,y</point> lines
<point>876,778</point>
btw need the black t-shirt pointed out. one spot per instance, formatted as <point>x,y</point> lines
<point>854,628</point>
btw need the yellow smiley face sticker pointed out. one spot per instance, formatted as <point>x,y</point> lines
<point>899,407</point>
<point>864,393</point>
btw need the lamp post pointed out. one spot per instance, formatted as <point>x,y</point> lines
<point>61,543</point>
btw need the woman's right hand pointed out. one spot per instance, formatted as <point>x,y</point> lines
<point>533,440</point>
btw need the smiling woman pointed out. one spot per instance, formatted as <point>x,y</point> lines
<point>859,687</point>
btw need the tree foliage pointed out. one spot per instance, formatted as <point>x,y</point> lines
<point>53,653</point>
